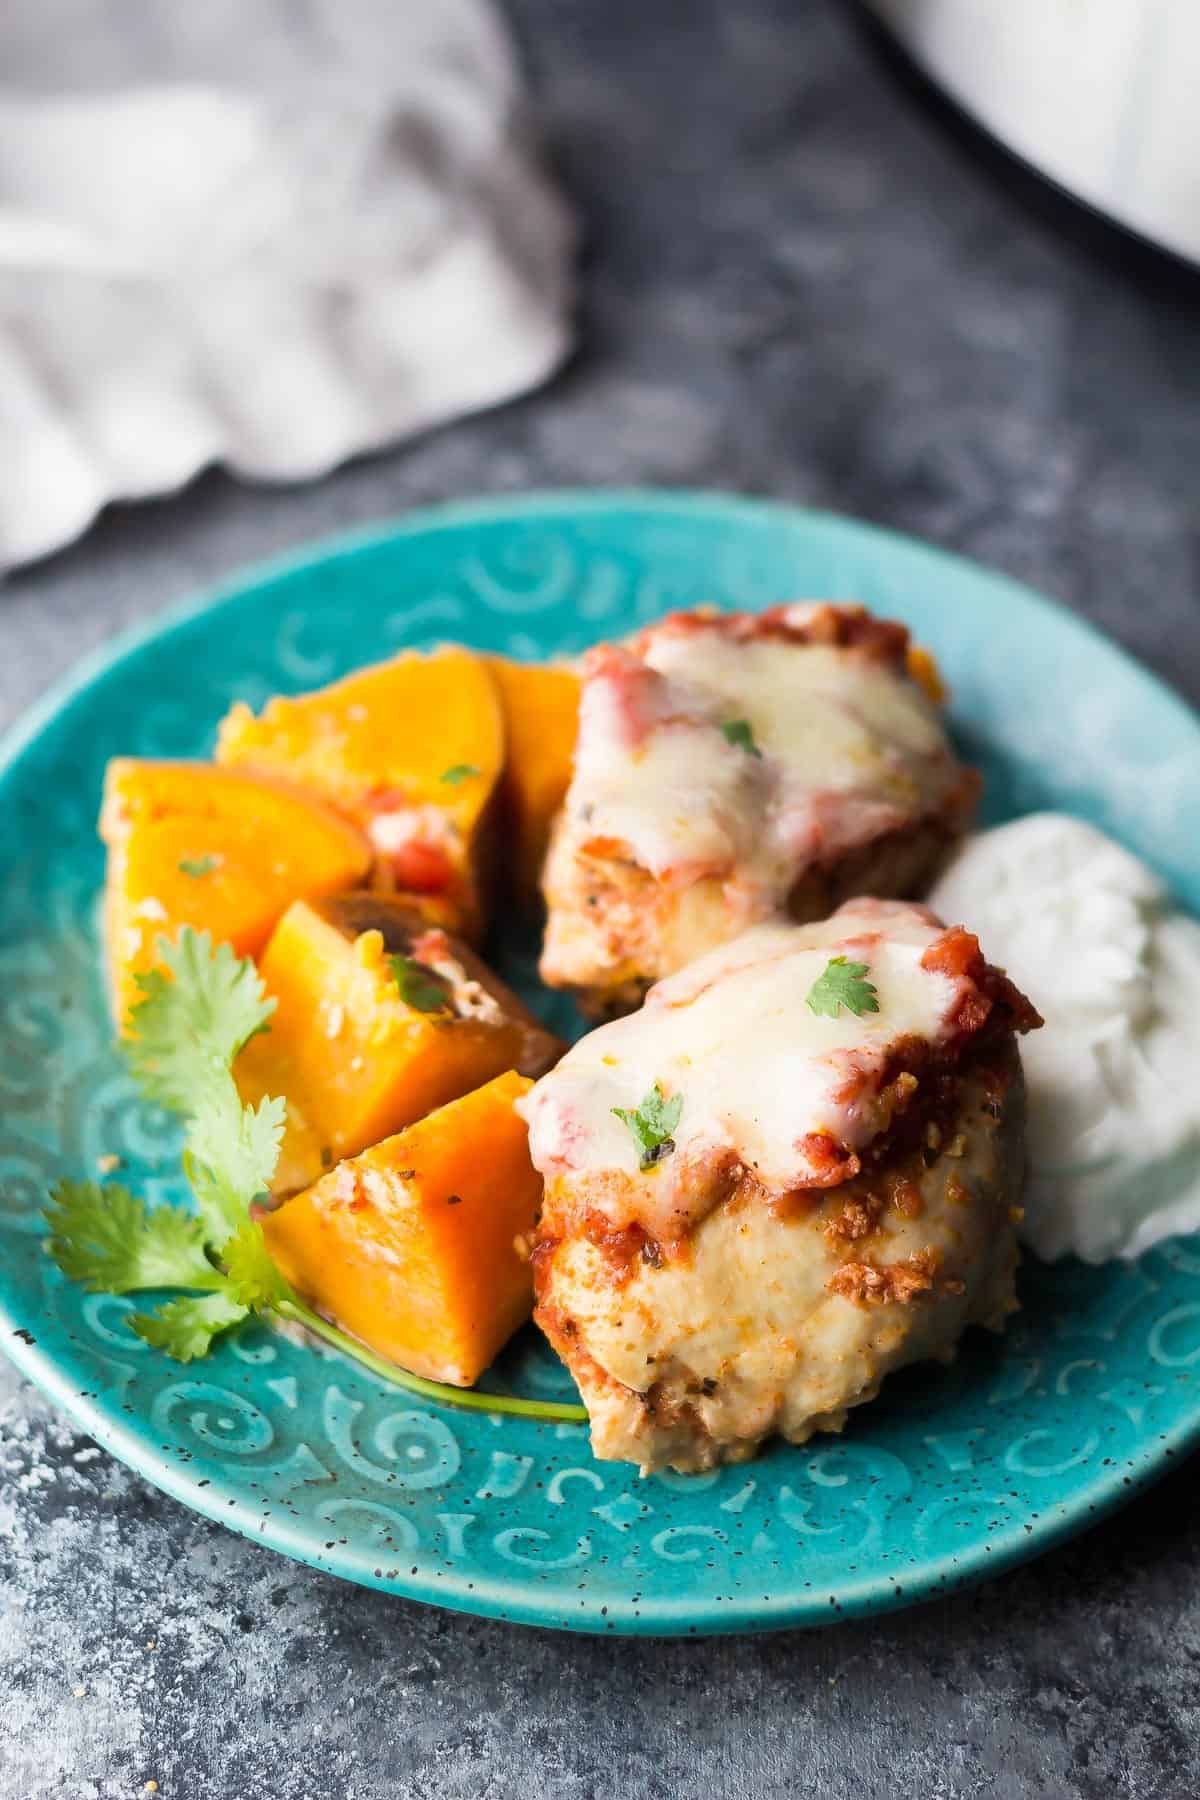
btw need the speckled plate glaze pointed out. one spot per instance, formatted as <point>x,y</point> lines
<point>949,1476</point>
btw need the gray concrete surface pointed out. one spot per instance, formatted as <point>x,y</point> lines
<point>800,281</point>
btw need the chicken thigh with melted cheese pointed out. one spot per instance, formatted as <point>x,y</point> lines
<point>794,1170</point>
<point>730,767</point>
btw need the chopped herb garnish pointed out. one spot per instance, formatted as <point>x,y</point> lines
<point>418,988</point>
<point>458,773</point>
<point>196,866</point>
<point>738,733</point>
<point>186,1032</point>
<point>651,1124</point>
<point>839,984</point>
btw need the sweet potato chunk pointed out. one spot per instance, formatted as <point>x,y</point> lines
<point>541,715</point>
<point>412,751</point>
<point>192,845</point>
<point>420,1246</point>
<point>380,1017</point>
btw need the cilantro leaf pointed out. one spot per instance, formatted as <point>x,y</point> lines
<point>419,988</point>
<point>196,866</point>
<point>186,1031</point>
<point>738,733</point>
<point>110,1241</point>
<point>254,1279</point>
<point>185,1328</point>
<point>458,773</point>
<point>839,984</point>
<point>651,1124</point>
<point>230,1156</point>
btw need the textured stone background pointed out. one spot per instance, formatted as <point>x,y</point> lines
<point>799,281</point>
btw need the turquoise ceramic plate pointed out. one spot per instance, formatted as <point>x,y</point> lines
<point>949,1476</point>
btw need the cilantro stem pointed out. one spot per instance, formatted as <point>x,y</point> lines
<point>470,1398</point>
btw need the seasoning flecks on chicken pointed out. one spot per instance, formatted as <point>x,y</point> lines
<point>830,1196</point>
<point>732,766</point>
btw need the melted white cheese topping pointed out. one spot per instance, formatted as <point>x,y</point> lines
<point>756,1070</point>
<point>1114,1096</point>
<point>848,748</point>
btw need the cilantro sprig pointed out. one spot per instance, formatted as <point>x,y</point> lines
<point>652,1124</point>
<point>196,866</point>
<point>186,1031</point>
<point>457,773</point>
<point>842,984</point>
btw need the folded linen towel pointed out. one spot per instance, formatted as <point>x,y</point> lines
<point>271,236</point>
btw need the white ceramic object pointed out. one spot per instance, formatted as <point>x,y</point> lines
<point>266,236</point>
<point>1098,94</point>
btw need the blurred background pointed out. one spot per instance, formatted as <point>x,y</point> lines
<point>283,268</point>
<point>1097,95</point>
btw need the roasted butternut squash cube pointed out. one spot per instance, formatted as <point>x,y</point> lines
<point>225,852</point>
<point>541,716</point>
<point>412,751</point>
<point>380,1017</point>
<point>420,1246</point>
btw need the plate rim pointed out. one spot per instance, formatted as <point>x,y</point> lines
<point>95,663</point>
<point>868,1596</point>
<point>873,1592</point>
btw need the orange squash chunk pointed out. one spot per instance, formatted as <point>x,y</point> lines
<point>541,714</point>
<point>192,845</point>
<point>411,750</point>
<point>359,1046</point>
<point>420,1246</point>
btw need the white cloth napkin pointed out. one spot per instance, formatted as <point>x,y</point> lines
<point>270,234</point>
